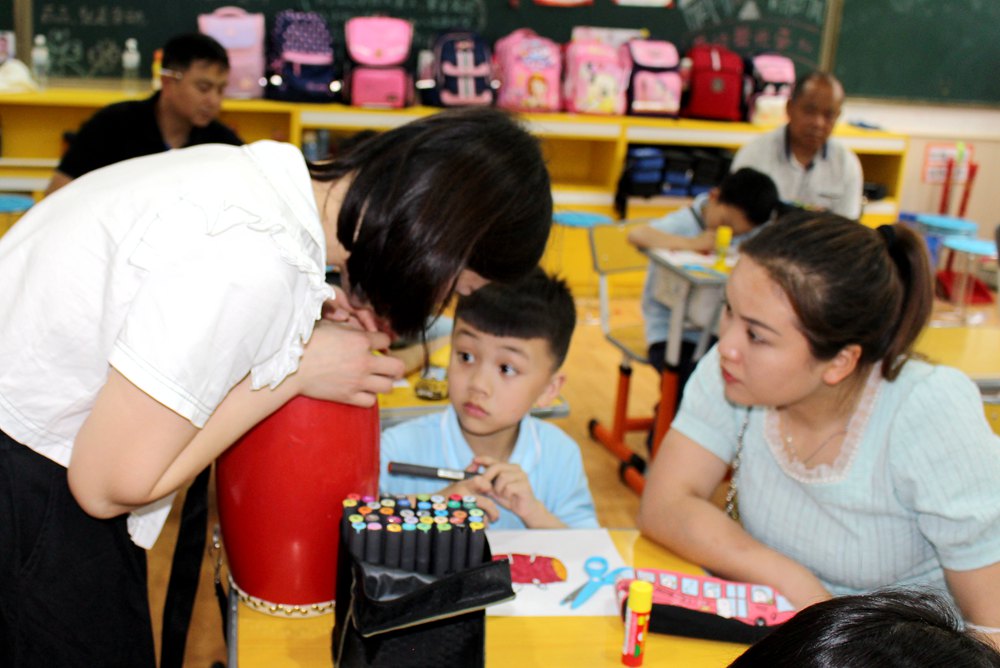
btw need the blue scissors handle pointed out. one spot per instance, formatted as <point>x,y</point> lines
<point>597,571</point>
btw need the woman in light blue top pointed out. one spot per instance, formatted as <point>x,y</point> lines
<point>856,467</point>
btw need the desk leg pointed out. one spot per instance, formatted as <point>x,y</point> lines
<point>665,414</point>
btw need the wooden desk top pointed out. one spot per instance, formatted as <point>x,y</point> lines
<point>974,350</point>
<point>524,642</point>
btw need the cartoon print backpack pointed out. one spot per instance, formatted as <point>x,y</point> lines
<point>302,63</point>
<point>595,78</point>
<point>715,83</point>
<point>462,70</point>
<point>529,68</point>
<point>242,36</point>
<point>767,85</point>
<point>378,47</point>
<point>655,83</point>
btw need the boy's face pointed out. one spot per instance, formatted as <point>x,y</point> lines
<point>494,381</point>
<point>719,213</point>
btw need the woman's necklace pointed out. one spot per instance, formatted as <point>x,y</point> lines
<point>789,444</point>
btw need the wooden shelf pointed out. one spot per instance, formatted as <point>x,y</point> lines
<point>585,154</point>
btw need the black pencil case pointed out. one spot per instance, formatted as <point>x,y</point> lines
<point>387,617</point>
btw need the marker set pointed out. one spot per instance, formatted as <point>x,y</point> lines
<point>434,535</point>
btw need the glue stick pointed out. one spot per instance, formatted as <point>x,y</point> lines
<point>640,602</point>
<point>723,237</point>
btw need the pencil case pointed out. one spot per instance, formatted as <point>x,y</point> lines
<point>388,617</point>
<point>700,606</point>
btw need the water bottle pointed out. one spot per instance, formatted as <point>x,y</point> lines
<point>40,61</point>
<point>130,63</point>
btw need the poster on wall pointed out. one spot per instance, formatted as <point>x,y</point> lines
<point>936,156</point>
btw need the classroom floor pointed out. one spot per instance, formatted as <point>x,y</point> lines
<point>592,372</point>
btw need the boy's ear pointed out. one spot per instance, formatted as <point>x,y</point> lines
<point>713,194</point>
<point>551,391</point>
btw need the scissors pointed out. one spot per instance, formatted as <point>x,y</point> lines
<point>597,577</point>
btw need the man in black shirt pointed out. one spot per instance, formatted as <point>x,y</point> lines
<point>194,74</point>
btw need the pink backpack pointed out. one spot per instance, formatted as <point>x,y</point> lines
<point>768,82</point>
<point>595,79</point>
<point>655,83</point>
<point>242,36</point>
<point>378,47</point>
<point>529,68</point>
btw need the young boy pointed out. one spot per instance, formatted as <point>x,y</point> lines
<point>507,347</point>
<point>745,199</point>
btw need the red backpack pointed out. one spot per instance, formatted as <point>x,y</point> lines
<point>715,83</point>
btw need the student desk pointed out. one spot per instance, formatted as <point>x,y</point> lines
<point>526,642</point>
<point>687,283</point>
<point>973,350</point>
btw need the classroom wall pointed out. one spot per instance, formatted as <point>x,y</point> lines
<point>930,124</point>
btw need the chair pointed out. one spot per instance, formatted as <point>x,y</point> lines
<point>612,254</point>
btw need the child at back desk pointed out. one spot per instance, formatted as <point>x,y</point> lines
<point>508,345</point>
<point>744,200</point>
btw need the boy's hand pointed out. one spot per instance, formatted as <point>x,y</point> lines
<point>479,488</point>
<point>508,485</point>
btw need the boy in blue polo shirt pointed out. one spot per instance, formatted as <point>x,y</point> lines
<point>507,347</point>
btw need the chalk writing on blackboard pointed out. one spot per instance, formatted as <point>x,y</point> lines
<point>791,27</point>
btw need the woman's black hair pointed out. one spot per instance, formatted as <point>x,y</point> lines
<point>849,284</point>
<point>890,628</point>
<point>460,189</point>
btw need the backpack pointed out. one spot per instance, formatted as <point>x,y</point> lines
<point>462,70</point>
<point>529,68</point>
<point>767,85</point>
<point>715,83</point>
<point>655,83</point>
<point>378,47</point>
<point>595,79</point>
<point>242,36</point>
<point>302,58</point>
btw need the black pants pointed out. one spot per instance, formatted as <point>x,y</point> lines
<point>685,365</point>
<point>72,588</point>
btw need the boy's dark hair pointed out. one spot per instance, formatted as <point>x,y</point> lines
<point>464,188</point>
<point>752,192</point>
<point>896,628</point>
<point>537,306</point>
<point>180,51</point>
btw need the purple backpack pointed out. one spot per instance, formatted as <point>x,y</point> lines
<point>302,58</point>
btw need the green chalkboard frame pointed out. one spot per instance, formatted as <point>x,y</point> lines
<point>940,51</point>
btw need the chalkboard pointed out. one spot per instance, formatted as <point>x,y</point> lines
<point>920,50</point>
<point>86,36</point>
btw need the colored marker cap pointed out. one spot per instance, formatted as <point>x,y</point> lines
<point>394,528</point>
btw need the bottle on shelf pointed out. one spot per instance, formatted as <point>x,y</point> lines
<point>157,68</point>
<point>130,63</point>
<point>40,60</point>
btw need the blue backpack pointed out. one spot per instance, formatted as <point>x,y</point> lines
<point>462,71</point>
<point>302,64</point>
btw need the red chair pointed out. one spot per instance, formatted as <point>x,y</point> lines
<point>612,254</point>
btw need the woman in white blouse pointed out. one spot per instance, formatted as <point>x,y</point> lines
<point>155,310</point>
